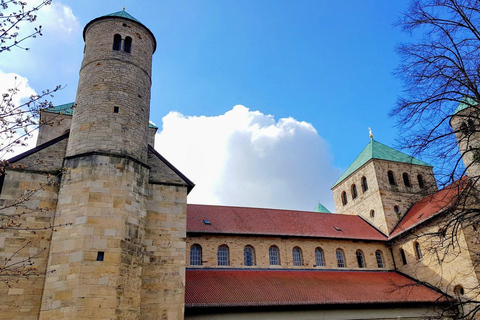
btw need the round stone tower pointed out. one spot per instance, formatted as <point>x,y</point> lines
<point>113,96</point>
<point>465,123</point>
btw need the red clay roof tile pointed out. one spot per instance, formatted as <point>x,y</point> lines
<point>430,206</point>
<point>258,221</point>
<point>222,288</point>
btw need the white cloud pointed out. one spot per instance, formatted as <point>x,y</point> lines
<point>60,27</point>
<point>10,81</point>
<point>246,158</point>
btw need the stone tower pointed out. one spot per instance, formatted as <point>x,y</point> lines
<point>381,185</point>
<point>465,122</point>
<point>122,251</point>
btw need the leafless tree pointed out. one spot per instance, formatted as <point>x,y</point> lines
<point>17,122</point>
<point>440,70</point>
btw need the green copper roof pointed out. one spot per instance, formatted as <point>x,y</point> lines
<point>122,14</point>
<point>321,208</point>
<point>66,108</point>
<point>377,150</point>
<point>466,102</point>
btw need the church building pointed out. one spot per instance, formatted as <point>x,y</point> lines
<point>106,224</point>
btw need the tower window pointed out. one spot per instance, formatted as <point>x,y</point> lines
<point>391,178</point>
<point>458,290</point>
<point>372,213</point>
<point>319,257</point>
<point>404,258</point>
<point>406,180</point>
<point>344,198</point>
<point>396,209</point>
<point>360,259</point>
<point>116,109</point>
<point>340,259</point>
<point>117,40</point>
<point>354,191</point>
<point>471,126</point>
<point>418,251</point>
<point>464,128</point>
<point>297,257</point>
<point>420,181</point>
<point>127,47</point>
<point>249,256</point>
<point>364,184</point>
<point>379,257</point>
<point>196,255</point>
<point>274,256</point>
<point>100,255</point>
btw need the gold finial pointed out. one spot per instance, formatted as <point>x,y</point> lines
<point>123,8</point>
<point>370,133</point>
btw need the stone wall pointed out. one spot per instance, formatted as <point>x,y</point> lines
<point>23,299</point>
<point>52,126</point>
<point>444,262</point>
<point>97,260</point>
<point>236,245</point>
<point>163,276</point>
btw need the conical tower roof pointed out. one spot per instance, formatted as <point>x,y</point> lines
<point>124,15</point>
<point>377,150</point>
<point>321,208</point>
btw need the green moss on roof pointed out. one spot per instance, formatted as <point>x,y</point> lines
<point>122,14</point>
<point>321,208</point>
<point>377,150</point>
<point>66,108</point>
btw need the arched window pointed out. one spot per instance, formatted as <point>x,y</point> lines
<point>360,259</point>
<point>458,290</point>
<point>464,128</point>
<point>396,209</point>
<point>223,256</point>
<point>354,191</point>
<point>196,255</point>
<point>297,257</point>
<point>471,126</point>
<point>391,178</point>
<point>379,257</point>
<point>420,181</point>
<point>249,256</point>
<point>127,47</point>
<point>319,257</point>
<point>372,213</point>
<point>340,259</point>
<point>117,40</point>
<point>274,255</point>
<point>404,258</point>
<point>344,198</point>
<point>364,184</point>
<point>418,251</point>
<point>406,180</point>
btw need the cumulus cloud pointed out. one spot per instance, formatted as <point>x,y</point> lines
<point>59,28</point>
<point>246,158</point>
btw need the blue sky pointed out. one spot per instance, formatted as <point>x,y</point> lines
<point>326,65</point>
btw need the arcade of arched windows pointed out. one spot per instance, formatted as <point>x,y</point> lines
<point>238,252</point>
<point>392,178</point>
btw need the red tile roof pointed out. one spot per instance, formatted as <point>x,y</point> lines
<point>258,221</point>
<point>227,288</point>
<point>430,207</point>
